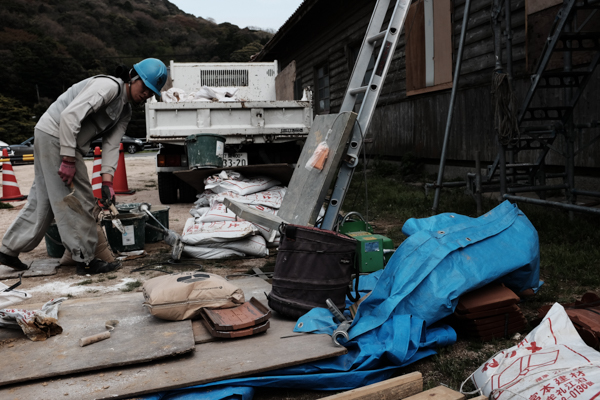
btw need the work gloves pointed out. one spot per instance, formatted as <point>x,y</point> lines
<point>108,194</point>
<point>67,171</point>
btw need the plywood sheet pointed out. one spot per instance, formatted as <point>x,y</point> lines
<point>37,268</point>
<point>277,348</point>
<point>307,188</point>
<point>442,48</point>
<point>138,337</point>
<point>415,47</point>
<point>196,177</point>
<point>284,82</point>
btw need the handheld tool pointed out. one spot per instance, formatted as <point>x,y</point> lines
<point>110,325</point>
<point>171,237</point>
<point>116,222</point>
<point>342,329</point>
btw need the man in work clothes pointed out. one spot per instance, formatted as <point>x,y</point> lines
<point>99,106</point>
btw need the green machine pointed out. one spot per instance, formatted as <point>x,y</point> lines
<point>373,250</point>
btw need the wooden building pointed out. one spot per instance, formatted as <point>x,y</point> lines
<point>318,45</point>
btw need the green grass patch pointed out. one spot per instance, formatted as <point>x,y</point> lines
<point>131,286</point>
<point>5,205</point>
<point>111,277</point>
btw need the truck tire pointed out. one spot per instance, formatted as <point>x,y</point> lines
<point>187,193</point>
<point>167,187</point>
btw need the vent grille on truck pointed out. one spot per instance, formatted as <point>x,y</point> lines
<point>224,77</point>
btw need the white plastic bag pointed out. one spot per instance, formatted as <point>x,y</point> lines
<point>13,297</point>
<point>552,362</point>
<point>209,253</point>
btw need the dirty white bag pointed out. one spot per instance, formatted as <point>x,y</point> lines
<point>197,212</point>
<point>181,296</point>
<point>551,362</point>
<point>204,198</point>
<point>37,325</point>
<point>209,253</point>
<point>13,297</point>
<point>174,95</point>
<point>250,246</point>
<point>269,198</point>
<point>195,233</point>
<point>219,212</point>
<point>243,186</point>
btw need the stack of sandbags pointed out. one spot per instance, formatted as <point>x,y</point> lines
<point>487,313</point>
<point>216,232</point>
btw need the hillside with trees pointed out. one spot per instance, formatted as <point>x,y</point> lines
<point>46,46</point>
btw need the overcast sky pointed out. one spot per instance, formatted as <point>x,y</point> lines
<point>265,14</point>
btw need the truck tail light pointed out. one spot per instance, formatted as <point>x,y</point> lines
<point>171,160</point>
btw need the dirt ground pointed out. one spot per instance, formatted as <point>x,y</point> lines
<point>141,176</point>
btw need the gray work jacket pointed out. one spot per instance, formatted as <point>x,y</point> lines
<point>86,109</point>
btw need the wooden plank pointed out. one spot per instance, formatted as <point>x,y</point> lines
<point>253,215</point>
<point>223,359</point>
<point>307,188</point>
<point>284,82</point>
<point>139,337</point>
<point>438,393</point>
<point>442,41</point>
<point>415,48</point>
<point>395,388</point>
<point>37,268</point>
<point>533,6</point>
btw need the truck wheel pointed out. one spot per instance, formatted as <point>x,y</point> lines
<point>187,193</point>
<point>167,187</point>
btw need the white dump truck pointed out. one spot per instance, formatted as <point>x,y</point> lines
<point>234,100</point>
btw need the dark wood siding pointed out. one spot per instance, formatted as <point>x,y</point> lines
<point>416,124</point>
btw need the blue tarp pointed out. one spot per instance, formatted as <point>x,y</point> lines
<point>443,257</point>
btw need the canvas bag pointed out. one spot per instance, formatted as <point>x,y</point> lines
<point>312,265</point>
<point>181,296</point>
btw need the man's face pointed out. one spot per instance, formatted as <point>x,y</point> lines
<point>140,92</point>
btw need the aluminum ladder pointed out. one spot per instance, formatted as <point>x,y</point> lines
<point>386,38</point>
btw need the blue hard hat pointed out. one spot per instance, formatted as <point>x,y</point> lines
<point>153,73</point>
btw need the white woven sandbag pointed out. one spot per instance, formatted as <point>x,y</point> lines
<point>195,233</point>
<point>551,362</point>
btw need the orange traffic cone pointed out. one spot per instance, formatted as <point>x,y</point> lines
<point>120,180</point>
<point>97,174</point>
<point>10,187</point>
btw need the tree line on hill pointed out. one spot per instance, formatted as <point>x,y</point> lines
<point>47,46</point>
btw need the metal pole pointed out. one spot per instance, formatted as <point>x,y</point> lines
<point>463,32</point>
<point>508,26</point>
<point>564,206</point>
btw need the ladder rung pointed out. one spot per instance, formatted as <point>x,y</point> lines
<point>376,37</point>
<point>520,165</point>
<point>358,90</point>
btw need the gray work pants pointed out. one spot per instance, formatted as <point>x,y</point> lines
<point>77,226</point>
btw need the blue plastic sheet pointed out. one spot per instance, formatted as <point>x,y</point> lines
<point>443,257</point>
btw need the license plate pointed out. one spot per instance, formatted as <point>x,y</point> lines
<point>235,159</point>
